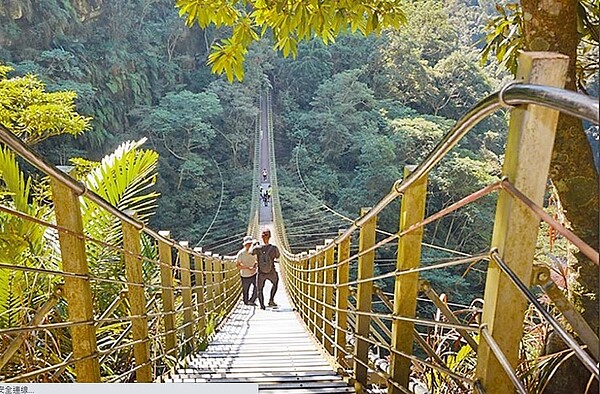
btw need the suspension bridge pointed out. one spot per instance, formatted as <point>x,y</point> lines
<point>334,329</point>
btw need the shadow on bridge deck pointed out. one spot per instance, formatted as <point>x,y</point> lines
<point>269,347</point>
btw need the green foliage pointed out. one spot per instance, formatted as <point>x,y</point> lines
<point>426,66</point>
<point>33,114</point>
<point>505,38</point>
<point>289,23</point>
<point>21,241</point>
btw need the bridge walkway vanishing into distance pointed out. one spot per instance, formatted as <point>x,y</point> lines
<point>270,347</point>
<point>175,312</point>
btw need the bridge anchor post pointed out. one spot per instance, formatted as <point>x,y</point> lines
<point>526,164</point>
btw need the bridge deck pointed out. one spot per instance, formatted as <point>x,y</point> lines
<point>270,347</point>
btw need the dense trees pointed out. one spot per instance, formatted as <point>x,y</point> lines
<point>350,113</point>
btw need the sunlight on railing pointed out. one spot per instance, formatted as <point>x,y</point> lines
<point>370,333</point>
<point>132,305</point>
<point>129,316</point>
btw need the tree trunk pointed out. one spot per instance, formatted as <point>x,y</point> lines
<point>551,25</point>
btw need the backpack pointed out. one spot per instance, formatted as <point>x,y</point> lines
<point>264,265</point>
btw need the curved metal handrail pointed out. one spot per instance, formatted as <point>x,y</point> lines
<point>569,102</point>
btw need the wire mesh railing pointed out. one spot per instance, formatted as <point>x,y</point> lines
<point>123,307</point>
<point>388,342</point>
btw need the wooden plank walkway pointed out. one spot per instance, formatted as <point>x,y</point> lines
<point>269,347</point>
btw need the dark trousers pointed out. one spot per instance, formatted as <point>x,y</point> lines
<point>262,278</point>
<point>246,283</point>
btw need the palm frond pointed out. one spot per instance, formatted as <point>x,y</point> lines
<point>20,240</point>
<point>121,178</point>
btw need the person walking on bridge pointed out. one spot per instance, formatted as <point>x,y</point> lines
<point>247,264</point>
<point>266,255</point>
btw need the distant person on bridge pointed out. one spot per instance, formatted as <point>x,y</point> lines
<point>247,264</point>
<point>266,255</point>
<point>264,173</point>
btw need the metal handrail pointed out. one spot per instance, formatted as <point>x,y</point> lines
<point>81,190</point>
<point>567,101</point>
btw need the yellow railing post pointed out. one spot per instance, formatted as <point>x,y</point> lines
<point>210,293</point>
<point>137,301</point>
<point>319,292</point>
<point>304,293</point>
<point>312,292</point>
<point>186,294</point>
<point>363,297</point>
<point>406,287</point>
<point>341,301</point>
<point>199,275</point>
<point>527,160</point>
<point>78,291</point>
<point>220,275</point>
<point>329,275</point>
<point>168,298</point>
<point>233,284</point>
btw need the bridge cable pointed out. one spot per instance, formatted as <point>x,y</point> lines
<point>351,220</point>
<point>220,203</point>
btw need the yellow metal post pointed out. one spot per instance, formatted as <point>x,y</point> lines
<point>329,275</point>
<point>527,160</point>
<point>186,294</point>
<point>319,295</point>
<point>341,301</point>
<point>363,297</point>
<point>137,301</point>
<point>168,298</point>
<point>312,292</point>
<point>78,291</point>
<point>199,275</point>
<point>297,282</point>
<point>220,275</point>
<point>210,293</point>
<point>406,286</point>
<point>304,294</point>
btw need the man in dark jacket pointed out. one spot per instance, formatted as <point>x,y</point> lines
<point>266,255</point>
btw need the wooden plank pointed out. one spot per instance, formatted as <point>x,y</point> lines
<point>270,347</point>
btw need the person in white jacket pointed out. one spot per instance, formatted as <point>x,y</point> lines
<point>248,265</point>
